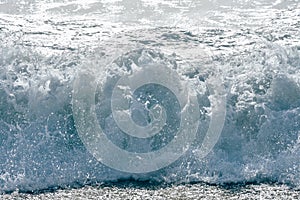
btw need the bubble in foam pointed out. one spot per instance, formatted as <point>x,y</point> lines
<point>122,98</point>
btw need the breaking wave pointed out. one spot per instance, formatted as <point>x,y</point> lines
<point>41,148</point>
<point>216,92</point>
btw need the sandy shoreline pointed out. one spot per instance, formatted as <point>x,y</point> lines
<point>189,191</point>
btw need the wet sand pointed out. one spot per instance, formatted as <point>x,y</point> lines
<point>124,191</point>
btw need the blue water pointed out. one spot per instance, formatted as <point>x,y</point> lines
<point>252,49</point>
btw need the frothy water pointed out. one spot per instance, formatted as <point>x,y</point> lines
<point>249,50</point>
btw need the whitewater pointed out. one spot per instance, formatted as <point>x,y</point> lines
<point>237,61</point>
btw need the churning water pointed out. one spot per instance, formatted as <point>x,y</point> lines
<point>212,90</point>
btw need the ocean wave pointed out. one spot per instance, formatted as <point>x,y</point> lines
<point>41,147</point>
